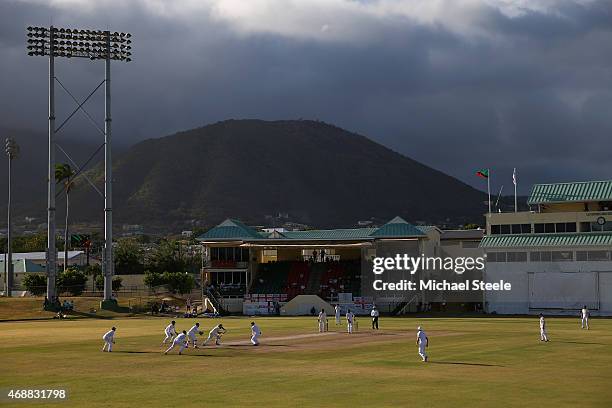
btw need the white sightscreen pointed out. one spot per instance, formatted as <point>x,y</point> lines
<point>562,290</point>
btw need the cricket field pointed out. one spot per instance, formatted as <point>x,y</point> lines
<point>474,362</point>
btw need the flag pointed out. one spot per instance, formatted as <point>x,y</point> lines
<point>514,176</point>
<point>484,173</point>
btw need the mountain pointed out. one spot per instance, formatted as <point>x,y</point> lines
<point>316,173</point>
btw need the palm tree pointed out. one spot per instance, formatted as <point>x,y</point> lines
<point>65,174</point>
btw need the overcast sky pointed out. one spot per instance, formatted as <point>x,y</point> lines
<point>458,85</point>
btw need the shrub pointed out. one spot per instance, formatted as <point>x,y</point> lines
<point>178,282</point>
<point>72,281</point>
<point>35,283</point>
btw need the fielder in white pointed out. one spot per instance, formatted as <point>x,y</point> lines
<point>215,333</point>
<point>423,342</point>
<point>337,310</point>
<point>192,333</point>
<point>543,336</point>
<point>181,341</point>
<point>255,333</point>
<point>322,320</point>
<point>170,332</point>
<point>585,317</point>
<point>350,319</point>
<point>109,339</point>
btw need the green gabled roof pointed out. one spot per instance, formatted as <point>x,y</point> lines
<point>425,229</point>
<point>335,234</point>
<point>571,192</point>
<point>231,230</point>
<point>397,227</point>
<point>547,240</point>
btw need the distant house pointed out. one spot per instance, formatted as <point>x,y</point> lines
<point>39,258</point>
<point>21,267</point>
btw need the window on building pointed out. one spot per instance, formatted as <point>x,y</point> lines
<point>269,255</point>
<point>516,256</point>
<point>561,256</point>
<point>545,256</point>
<point>505,229</point>
<point>501,257</point>
<point>551,228</point>
<point>495,230</point>
<point>534,257</point>
<point>521,228</point>
<point>582,256</point>
<point>598,256</point>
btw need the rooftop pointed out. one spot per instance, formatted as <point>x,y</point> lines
<point>603,239</point>
<point>38,256</point>
<point>571,192</point>
<point>232,230</point>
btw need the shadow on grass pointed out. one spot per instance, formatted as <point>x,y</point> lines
<point>580,342</point>
<point>461,363</point>
<point>260,346</point>
<point>87,315</point>
<point>169,354</point>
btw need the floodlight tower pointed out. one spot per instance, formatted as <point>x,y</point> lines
<point>95,45</point>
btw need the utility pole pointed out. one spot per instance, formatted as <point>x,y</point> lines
<point>12,151</point>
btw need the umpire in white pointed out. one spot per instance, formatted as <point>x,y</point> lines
<point>374,313</point>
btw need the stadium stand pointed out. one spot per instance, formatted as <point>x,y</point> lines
<point>325,279</point>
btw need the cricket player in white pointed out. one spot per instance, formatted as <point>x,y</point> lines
<point>215,333</point>
<point>543,336</point>
<point>109,339</point>
<point>191,334</point>
<point>423,342</point>
<point>350,318</point>
<point>255,333</point>
<point>181,341</point>
<point>322,320</point>
<point>585,317</point>
<point>170,332</point>
<point>337,310</point>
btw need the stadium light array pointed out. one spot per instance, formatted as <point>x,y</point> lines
<point>76,43</point>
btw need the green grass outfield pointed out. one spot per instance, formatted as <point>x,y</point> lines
<point>475,362</point>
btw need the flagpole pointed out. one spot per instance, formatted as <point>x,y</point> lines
<point>489,188</point>
<point>515,200</point>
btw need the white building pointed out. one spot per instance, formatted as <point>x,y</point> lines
<point>558,256</point>
<point>78,258</point>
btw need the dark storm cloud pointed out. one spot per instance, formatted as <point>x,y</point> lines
<point>466,86</point>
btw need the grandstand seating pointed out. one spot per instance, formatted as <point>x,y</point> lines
<point>325,279</point>
<point>271,278</point>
